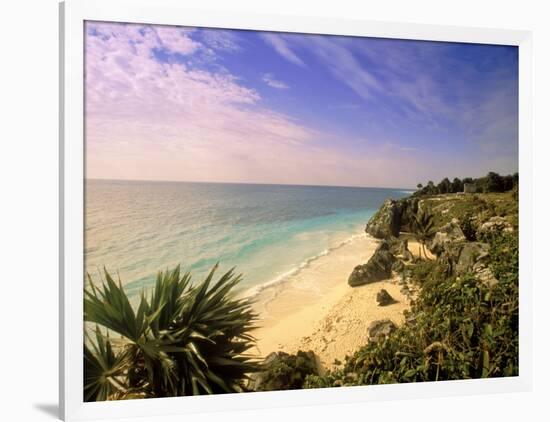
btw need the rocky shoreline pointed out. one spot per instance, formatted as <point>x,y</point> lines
<point>457,244</point>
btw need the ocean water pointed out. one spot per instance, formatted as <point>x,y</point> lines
<point>268,232</point>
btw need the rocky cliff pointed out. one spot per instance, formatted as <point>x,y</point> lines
<point>393,217</point>
<point>463,226</point>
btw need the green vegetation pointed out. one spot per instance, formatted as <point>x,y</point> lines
<point>493,182</point>
<point>457,328</point>
<point>183,339</point>
<point>467,225</point>
<point>477,207</point>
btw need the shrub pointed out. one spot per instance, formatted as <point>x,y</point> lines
<point>467,227</point>
<point>183,339</point>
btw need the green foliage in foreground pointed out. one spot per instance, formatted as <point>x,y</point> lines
<point>183,339</point>
<point>458,328</point>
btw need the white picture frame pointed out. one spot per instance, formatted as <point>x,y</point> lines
<point>73,14</point>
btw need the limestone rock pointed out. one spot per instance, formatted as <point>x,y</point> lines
<point>485,275</point>
<point>468,257</point>
<point>378,267</point>
<point>386,222</point>
<point>494,225</point>
<point>471,254</point>
<point>409,210</point>
<point>449,233</point>
<point>380,329</point>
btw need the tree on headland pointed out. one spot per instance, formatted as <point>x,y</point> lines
<point>182,340</point>
<point>430,188</point>
<point>467,180</point>
<point>457,185</point>
<point>493,182</point>
<point>444,186</point>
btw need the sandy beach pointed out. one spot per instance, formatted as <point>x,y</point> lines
<point>317,310</point>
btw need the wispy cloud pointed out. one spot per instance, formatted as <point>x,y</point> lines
<point>148,118</point>
<point>344,65</point>
<point>220,39</point>
<point>270,80</point>
<point>174,39</point>
<point>281,46</point>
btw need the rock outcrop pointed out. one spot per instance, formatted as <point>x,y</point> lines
<point>409,209</point>
<point>450,233</point>
<point>471,254</point>
<point>378,267</point>
<point>381,328</point>
<point>468,257</point>
<point>493,226</point>
<point>393,217</point>
<point>386,222</point>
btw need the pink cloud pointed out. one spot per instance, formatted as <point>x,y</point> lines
<point>137,106</point>
<point>147,119</point>
<point>176,40</point>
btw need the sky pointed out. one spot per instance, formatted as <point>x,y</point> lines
<point>195,104</point>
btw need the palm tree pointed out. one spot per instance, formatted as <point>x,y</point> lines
<point>424,229</point>
<point>183,339</point>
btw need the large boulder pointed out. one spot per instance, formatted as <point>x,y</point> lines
<point>381,328</point>
<point>378,267</point>
<point>449,233</point>
<point>386,222</point>
<point>283,371</point>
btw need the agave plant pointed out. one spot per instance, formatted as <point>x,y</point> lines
<point>182,339</point>
<point>424,229</point>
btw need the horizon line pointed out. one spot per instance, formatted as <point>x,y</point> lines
<point>243,183</point>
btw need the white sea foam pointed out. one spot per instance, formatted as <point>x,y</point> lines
<point>253,292</point>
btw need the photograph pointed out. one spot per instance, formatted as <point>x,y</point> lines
<point>269,211</point>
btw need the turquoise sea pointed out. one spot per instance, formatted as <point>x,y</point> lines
<point>136,228</point>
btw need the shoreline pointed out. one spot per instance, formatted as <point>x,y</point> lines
<point>315,308</point>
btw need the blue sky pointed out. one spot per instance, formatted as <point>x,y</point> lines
<point>169,103</point>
